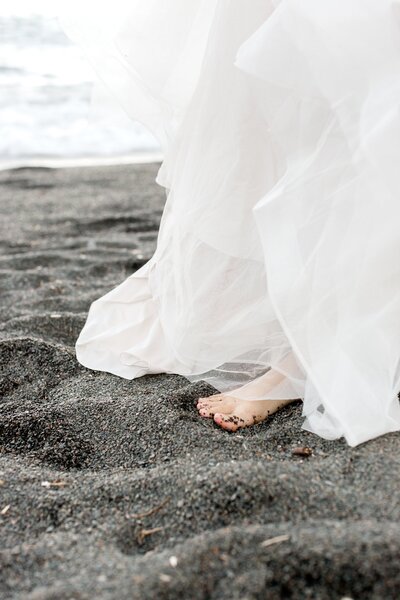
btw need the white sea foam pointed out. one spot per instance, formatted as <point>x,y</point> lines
<point>45,95</point>
<point>88,161</point>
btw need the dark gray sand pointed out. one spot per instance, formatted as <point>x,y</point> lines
<point>116,489</point>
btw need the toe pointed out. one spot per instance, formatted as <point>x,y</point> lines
<point>225,406</point>
<point>206,412</point>
<point>210,399</point>
<point>221,403</point>
<point>229,421</point>
<point>202,403</point>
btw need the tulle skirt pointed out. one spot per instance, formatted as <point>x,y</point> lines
<point>279,245</point>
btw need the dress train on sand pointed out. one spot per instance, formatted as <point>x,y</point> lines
<point>279,244</point>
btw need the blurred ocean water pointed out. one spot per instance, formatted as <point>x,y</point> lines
<point>45,93</point>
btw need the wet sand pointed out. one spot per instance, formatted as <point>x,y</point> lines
<point>116,489</point>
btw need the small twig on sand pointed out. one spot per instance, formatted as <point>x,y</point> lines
<point>56,484</point>
<point>143,533</point>
<point>276,540</point>
<point>302,451</point>
<point>149,512</point>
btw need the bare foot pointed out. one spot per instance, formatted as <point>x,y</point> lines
<point>232,413</point>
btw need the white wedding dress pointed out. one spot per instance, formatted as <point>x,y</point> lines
<point>279,244</point>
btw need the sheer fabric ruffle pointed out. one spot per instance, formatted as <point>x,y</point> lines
<point>279,243</point>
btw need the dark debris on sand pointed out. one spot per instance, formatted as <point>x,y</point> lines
<point>116,489</point>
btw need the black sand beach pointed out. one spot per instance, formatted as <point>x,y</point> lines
<point>116,489</point>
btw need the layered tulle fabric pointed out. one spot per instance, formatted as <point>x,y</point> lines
<point>279,244</point>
